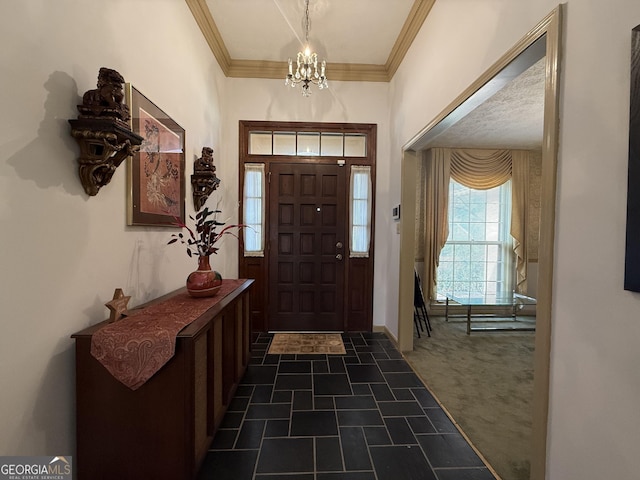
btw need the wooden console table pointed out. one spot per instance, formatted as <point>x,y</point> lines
<point>163,429</point>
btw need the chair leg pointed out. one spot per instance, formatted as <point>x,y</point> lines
<point>426,321</point>
<point>419,316</point>
<point>426,318</point>
<point>419,305</point>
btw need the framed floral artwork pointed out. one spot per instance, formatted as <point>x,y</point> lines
<point>155,179</point>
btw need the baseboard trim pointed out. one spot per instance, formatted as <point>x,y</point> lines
<point>385,330</point>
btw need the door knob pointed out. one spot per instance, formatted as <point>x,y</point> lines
<point>339,256</point>
<point>339,245</point>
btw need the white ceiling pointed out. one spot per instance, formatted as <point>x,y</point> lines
<point>343,31</point>
<point>362,40</point>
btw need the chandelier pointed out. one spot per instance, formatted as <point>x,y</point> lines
<point>307,71</point>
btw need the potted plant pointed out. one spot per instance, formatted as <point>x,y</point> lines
<point>201,242</point>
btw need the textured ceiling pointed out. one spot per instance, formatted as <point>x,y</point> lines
<point>511,118</point>
<point>361,40</point>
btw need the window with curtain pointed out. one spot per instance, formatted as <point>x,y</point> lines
<point>253,199</point>
<point>360,211</point>
<point>477,258</point>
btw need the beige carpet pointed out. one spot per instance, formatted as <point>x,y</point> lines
<point>294,343</point>
<point>485,381</point>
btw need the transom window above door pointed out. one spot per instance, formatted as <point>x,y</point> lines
<point>308,144</point>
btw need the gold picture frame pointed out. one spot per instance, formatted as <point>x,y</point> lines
<point>155,174</point>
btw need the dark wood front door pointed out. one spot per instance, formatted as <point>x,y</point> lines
<point>307,235</point>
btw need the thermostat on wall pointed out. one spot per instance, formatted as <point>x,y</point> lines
<point>396,212</point>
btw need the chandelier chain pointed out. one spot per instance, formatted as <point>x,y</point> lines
<point>306,23</point>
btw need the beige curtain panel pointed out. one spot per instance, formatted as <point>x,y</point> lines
<point>477,169</point>
<point>435,191</point>
<point>519,224</point>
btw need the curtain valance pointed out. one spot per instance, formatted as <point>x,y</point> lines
<point>481,169</point>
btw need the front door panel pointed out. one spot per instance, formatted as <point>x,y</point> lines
<point>307,211</point>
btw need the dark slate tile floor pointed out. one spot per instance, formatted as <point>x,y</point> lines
<point>360,416</point>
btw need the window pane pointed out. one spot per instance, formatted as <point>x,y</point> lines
<point>284,143</point>
<point>359,234</point>
<point>461,212</point>
<point>462,253</point>
<point>492,272</point>
<point>260,143</point>
<point>493,231</point>
<point>360,211</point>
<point>253,207</point>
<point>477,271</point>
<point>493,195</point>
<point>476,232</point>
<point>478,196</point>
<point>459,231</point>
<point>493,252</point>
<point>253,210</point>
<point>461,288</point>
<point>479,253</point>
<point>331,144</point>
<point>445,272</point>
<point>477,212</point>
<point>458,189</point>
<point>252,239</point>
<point>355,145</point>
<point>446,255</point>
<point>493,212</point>
<point>309,144</point>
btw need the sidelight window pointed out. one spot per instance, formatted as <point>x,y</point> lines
<point>254,210</point>
<point>360,211</point>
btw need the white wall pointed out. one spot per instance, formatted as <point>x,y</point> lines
<point>595,353</point>
<point>347,102</point>
<point>594,420</point>
<point>63,253</point>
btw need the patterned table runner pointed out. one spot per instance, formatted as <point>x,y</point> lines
<point>135,348</point>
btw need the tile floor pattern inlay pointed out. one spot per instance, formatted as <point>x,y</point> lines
<point>364,415</point>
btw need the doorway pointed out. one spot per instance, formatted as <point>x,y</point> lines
<point>311,246</point>
<point>550,28</point>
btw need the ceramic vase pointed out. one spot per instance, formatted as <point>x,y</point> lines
<point>204,282</point>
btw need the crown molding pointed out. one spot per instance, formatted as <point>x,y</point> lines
<point>208,27</point>
<point>348,72</point>
<point>410,29</point>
